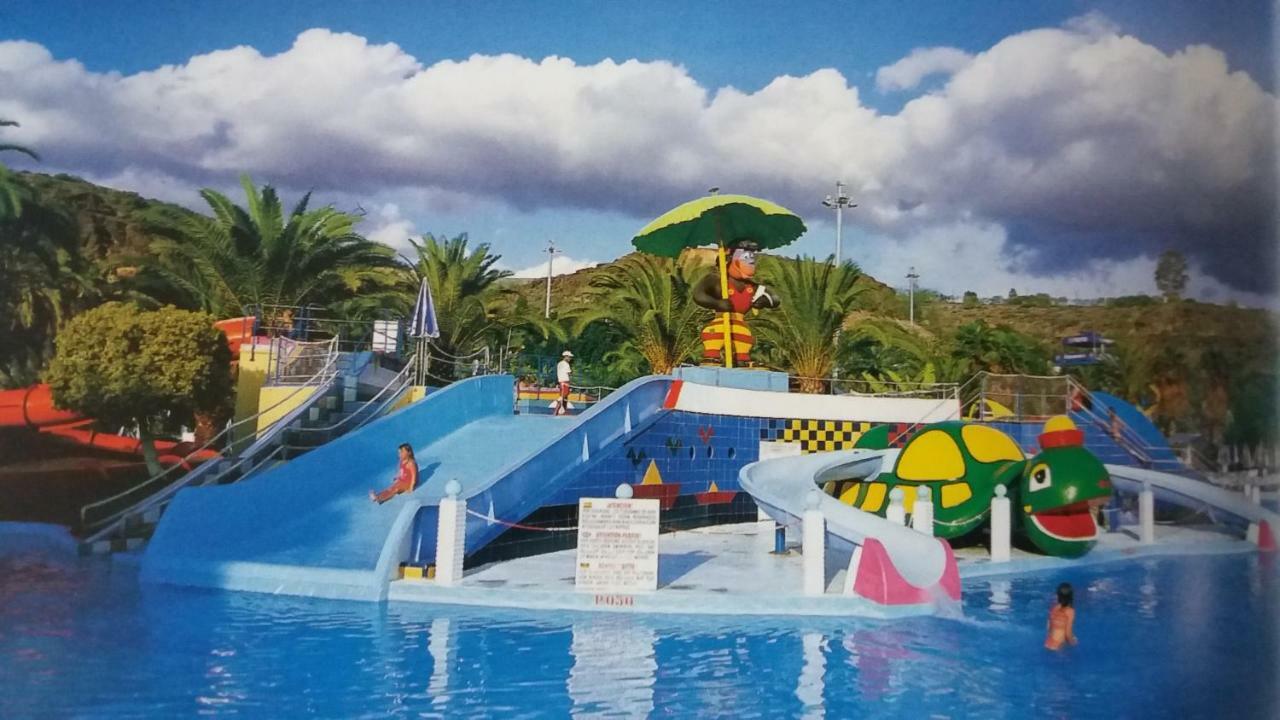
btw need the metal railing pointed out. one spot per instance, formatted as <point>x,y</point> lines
<point>104,526</point>
<point>392,391</point>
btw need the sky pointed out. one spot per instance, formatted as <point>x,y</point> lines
<point>1044,145</point>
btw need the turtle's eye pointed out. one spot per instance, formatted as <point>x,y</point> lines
<point>1041,478</point>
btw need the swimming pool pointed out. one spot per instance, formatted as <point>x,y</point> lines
<point>1177,636</point>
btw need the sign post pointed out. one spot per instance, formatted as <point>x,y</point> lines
<point>617,548</point>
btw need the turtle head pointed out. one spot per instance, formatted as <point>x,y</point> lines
<point>1059,489</point>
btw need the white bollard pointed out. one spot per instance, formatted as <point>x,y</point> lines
<point>451,536</point>
<point>1001,526</point>
<point>922,511</point>
<point>896,513</point>
<point>815,546</point>
<point>1147,515</point>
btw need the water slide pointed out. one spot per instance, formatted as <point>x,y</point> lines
<point>308,527</point>
<point>33,408</point>
<point>895,565</point>
<point>1221,505</point>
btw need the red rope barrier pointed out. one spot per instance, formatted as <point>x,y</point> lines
<point>518,526</point>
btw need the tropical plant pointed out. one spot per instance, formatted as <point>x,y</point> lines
<point>472,309</point>
<point>998,349</point>
<point>648,301</point>
<point>11,191</point>
<point>257,257</point>
<point>801,335</point>
<point>148,369</point>
<point>44,279</point>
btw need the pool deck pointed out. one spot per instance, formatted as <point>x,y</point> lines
<point>730,570</point>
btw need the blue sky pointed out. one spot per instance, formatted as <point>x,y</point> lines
<point>595,196</point>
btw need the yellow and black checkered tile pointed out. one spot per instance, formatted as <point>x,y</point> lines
<point>816,435</point>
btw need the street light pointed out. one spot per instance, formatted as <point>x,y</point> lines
<point>551,256</point>
<point>912,276</point>
<point>839,202</point>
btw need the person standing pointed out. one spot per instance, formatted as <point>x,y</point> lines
<point>563,373</point>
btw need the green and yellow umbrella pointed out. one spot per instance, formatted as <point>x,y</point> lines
<point>720,220</point>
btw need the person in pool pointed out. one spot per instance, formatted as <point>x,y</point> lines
<point>1062,619</point>
<point>406,480</point>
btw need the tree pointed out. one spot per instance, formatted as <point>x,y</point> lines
<point>148,369</point>
<point>817,297</point>
<point>998,349</point>
<point>463,287</point>
<point>648,302</point>
<point>257,256</point>
<point>11,191</point>
<point>970,299</point>
<point>44,279</point>
<point>1171,274</point>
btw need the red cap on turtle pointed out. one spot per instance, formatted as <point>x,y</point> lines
<point>1061,432</point>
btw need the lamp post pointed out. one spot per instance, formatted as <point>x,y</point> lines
<point>551,256</point>
<point>912,276</point>
<point>839,202</point>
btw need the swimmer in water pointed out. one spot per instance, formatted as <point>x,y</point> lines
<point>1062,619</point>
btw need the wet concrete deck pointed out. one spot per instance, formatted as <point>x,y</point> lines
<point>730,570</point>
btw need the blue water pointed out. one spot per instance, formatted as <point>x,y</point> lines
<point>1185,637</point>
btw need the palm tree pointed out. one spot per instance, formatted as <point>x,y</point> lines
<point>44,279</point>
<point>648,300</point>
<point>257,256</point>
<point>467,298</point>
<point>11,191</point>
<point>801,335</point>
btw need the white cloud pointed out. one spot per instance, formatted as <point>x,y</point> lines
<point>1081,144</point>
<point>921,63</point>
<point>563,265</point>
<point>389,227</point>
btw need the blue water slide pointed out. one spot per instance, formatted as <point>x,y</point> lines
<point>308,527</point>
<point>535,478</point>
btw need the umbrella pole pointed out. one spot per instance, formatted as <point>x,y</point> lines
<point>728,320</point>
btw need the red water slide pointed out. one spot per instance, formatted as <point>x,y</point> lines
<point>33,407</point>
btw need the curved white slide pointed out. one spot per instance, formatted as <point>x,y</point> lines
<point>896,565</point>
<point>1198,495</point>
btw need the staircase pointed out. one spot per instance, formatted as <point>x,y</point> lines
<point>338,405</point>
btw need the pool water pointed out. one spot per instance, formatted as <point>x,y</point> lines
<point>1184,637</point>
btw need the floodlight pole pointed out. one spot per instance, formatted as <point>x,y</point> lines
<point>839,202</point>
<point>551,255</point>
<point>912,276</point>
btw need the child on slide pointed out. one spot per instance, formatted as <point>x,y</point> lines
<point>1062,619</point>
<point>406,480</point>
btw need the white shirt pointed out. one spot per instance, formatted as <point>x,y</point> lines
<point>562,371</point>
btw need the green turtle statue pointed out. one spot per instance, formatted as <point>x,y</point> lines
<point>962,463</point>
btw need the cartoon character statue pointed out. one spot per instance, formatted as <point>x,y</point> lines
<point>1053,493</point>
<point>732,296</point>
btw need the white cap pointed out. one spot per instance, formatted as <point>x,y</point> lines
<point>566,353</point>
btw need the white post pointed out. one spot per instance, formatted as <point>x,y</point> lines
<point>815,551</point>
<point>1147,515</point>
<point>896,513</point>
<point>451,536</point>
<point>1001,526</point>
<point>922,511</point>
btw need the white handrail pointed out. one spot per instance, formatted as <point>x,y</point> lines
<point>323,375</point>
